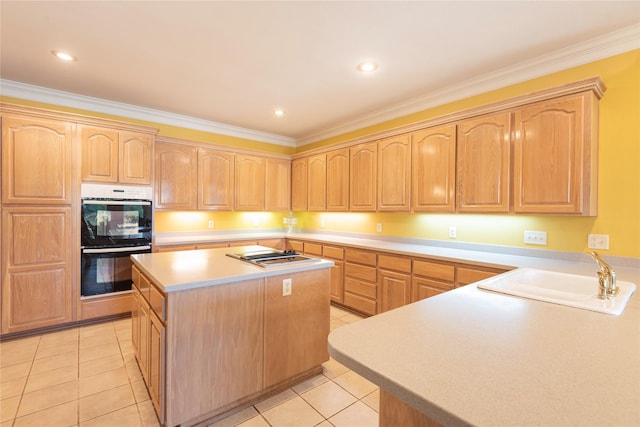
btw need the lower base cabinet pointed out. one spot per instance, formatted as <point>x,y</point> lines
<point>206,351</point>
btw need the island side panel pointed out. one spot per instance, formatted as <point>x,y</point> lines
<point>296,325</point>
<point>215,348</point>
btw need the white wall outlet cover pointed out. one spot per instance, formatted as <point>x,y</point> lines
<point>379,228</point>
<point>535,237</point>
<point>452,232</point>
<point>598,241</point>
<point>286,287</point>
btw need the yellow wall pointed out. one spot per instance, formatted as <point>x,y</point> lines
<point>172,221</point>
<point>619,174</point>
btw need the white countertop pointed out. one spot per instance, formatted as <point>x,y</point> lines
<point>177,271</point>
<point>474,357</point>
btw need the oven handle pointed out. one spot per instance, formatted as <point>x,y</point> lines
<point>116,202</point>
<point>111,250</point>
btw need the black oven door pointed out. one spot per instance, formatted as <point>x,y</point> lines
<point>108,223</point>
<point>107,271</point>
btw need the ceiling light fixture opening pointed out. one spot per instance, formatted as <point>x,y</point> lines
<point>367,67</point>
<point>279,113</point>
<point>64,56</point>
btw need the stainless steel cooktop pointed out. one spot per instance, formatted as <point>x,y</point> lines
<point>272,258</point>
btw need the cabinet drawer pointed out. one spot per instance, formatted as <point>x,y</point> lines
<point>272,243</point>
<point>144,287</point>
<point>243,243</point>
<point>135,277</point>
<point>468,275</point>
<point>296,245</point>
<point>360,272</point>
<point>157,302</point>
<point>361,304</point>
<point>434,270</point>
<point>395,263</point>
<point>332,252</point>
<point>361,257</point>
<point>312,248</point>
<point>360,288</point>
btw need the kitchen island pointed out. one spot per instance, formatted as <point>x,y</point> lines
<point>474,357</point>
<point>212,333</point>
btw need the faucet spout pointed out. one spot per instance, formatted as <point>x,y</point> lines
<point>606,278</point>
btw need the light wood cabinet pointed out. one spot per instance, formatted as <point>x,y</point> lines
<point>363,177</point>
<point>109,155</point>
<point>176,176</point>
<point>466,274</point>
<point>361,281</point>
<point>278,185</point>
<point>134,158</point>
<point>338,180</point>
<point>431,278</point>
<point>317,192</point>
<point>394,174</point>
<point>156,361</point>
<point>434,169</point>
<point>249,183</point>
<point>37,163</point>
<point>299,179</point>
<point>554,147</point>
<point>395,281</point>
<point>296,321</point>
<point>215,179</point>
<point>483,164</point>
<point>37,267</point>
<point>335,254</point>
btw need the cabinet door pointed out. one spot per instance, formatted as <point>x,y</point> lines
<point>483,164</point>
<point>250,183</point>
<point>156,364</point>
<point>550,175</point>
<point>37,268</point>
<point>215,180</point>
<point>337,281</point>
<point>299,185</point>
<point>99,154</point>
<point>36,160</point>
<point>422,288</point>
<point>135,158</point>
<point>176,176</point>
<point>278,185</point>
<point>434,169</point>
<point>394,174</point>
<point>338,180</point>
<point>135,320</point>
<point>395,290</point>
<point>362,177</point>
<point>317,183</point>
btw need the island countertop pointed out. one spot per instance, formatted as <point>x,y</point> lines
<point>474,357</point>
<point>177,271</point>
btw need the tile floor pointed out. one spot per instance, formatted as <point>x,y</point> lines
<point>88,376</point>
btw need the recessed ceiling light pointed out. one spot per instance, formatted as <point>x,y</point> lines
<point>64,56</point>
<point>279,113</point>
<point>367,67</point>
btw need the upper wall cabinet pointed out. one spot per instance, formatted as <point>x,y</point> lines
<point>176,176</point>
<point>299,184</point>
<point>394,174</point>
<point>554,147</point>
<point>434,169</point>
<point>483,160</point>
<point>109,155</point>
<point>36,160</point>
<point>338,180</point>
<point>215,179</point>
<point>250,183</point>
<point>278,185</point>
<point>363,177</point>
<point>317,183</point>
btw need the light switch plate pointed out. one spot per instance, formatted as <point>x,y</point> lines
<point>535,237</point>
<point>598,241</point>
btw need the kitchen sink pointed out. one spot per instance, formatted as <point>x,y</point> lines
<point>559,288</point>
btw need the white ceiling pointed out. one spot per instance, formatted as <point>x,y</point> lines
<point>227,65</point>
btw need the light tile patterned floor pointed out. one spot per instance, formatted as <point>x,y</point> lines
<point>88,376</point>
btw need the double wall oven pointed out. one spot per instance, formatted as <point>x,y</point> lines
<point>116,223</point>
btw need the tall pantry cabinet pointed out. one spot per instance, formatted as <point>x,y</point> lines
<point>39,210</point>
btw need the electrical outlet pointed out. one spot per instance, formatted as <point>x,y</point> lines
<point>598,241</point>
<point>211,223</point>
<point>535,237</point>
<point>379,228</point>
<point>452,232</point>
<point>286,287</point>
<point>322,223</point>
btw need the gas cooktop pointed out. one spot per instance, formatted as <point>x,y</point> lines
<point>272,258</point>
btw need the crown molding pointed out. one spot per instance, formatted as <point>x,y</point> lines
<point>66,99</point>
<point>610,44</point>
